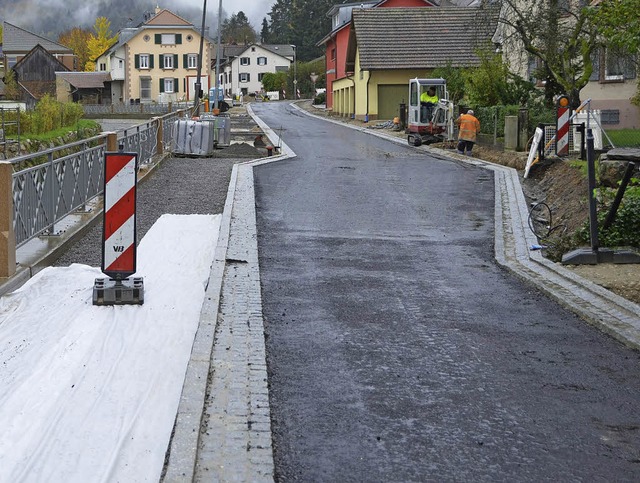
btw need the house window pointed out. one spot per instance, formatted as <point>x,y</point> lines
<point>262,61</point>
<point>253,49</point>
<point>333,54</point>
<point>143,61</point>
<point>145,88</point>
<point>167,61</point>
<point>260,76</point>
<point>192,61</point>
<point>610,116</point>
<point>244,77</point>
<point>168,39</point>
<point>614,65</point>
<point>169,85</point>
<point>120,63</point>
<point>245,61</point>
<point>103,67</point>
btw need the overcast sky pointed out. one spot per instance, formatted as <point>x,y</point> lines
<point>50,17</point>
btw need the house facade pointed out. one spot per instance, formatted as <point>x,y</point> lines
<point>243,66</point>
<point>157,62</point>
<point>335,43</point>
<point>425,39</point>
<point>18,42</point>
<point>611,86</point>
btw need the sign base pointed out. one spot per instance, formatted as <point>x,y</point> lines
<point>107,291</point>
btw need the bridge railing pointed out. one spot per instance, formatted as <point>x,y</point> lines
<point>44,187</point>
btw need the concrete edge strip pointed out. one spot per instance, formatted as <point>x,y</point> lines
<point>597,305</point>
<point>182,452</point>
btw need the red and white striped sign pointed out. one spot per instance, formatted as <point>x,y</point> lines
<point>562,137</point>
<point>119,229</point>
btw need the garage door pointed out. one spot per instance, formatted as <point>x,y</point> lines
<point>389,99</point>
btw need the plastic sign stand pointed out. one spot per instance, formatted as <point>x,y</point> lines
<point>562,127</point>
<point>119,233</point>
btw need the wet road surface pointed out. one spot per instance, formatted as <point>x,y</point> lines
<point>398,350</point>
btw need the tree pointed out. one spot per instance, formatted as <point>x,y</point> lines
<point>238,30</point>
<point>264,33</point>
<point>456,81</point>
<point>99,42</point>
<point>77,39</point>
<point>561,35</point>
<point>11,88</point>
<point>274,81</point>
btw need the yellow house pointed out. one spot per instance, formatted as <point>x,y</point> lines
<point>389,46</point>
<point>157,62</point>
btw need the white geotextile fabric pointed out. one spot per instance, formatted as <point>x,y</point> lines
<point>90,393</point>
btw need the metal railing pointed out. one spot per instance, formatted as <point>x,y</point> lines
<point>131,109</point>
<point>60,180</point>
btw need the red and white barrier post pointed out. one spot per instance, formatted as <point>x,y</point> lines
<point>563,110</point>
<point>119,233</point>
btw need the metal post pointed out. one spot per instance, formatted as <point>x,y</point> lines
<point>611,216</point>
<point>198,86</point>
<point>215,103</point>
<point>591,167</point>
<point>295,73</point>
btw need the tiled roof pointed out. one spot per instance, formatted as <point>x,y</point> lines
<point>18,40</point>
<point>85,80</point>
<point>420,38</point>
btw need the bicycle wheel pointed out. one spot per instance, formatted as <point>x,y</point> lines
<point>540,220</point>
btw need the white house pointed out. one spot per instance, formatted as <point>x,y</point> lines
<point>243,66</point>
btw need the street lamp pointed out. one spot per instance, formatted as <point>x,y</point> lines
<point>198,86</point>
<point>217,95</point>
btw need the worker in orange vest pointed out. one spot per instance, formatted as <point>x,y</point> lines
<point>469,128</point>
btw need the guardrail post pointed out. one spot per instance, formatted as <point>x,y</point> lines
<point>7,235</point>
<point>159,134</point>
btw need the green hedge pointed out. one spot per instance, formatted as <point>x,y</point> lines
<point>48,115</point>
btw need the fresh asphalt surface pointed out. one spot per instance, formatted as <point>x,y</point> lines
<point>398,350</point>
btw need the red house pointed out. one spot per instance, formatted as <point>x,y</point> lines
<point>336,42</point>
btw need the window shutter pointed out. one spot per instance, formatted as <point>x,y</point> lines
<point>158,38</point>
<point>161,85</point>
<point>248,77</point>
<point>176,86</point>
<point>175,61</point>
<point>161,60</point>
<point>178,39</point>
<point>185,60</point>
<point>136,60</point>
<point>150,61</point>
<point>595,59</point>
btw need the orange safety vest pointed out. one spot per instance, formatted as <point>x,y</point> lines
<point>469,127</point>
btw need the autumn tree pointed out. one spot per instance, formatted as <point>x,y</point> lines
<point>77,39</point>
<point>99,42</point>
<point>559,34</point>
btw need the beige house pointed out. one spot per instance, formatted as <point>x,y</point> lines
<point>423,39</point>
<point>157,62</point>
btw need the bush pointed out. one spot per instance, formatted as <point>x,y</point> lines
<point>48,115</point>
<point>625,230</point>
<point>320,98</point>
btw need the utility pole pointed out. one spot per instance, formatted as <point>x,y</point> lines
<point>198,86</point>
<point>215,102</point>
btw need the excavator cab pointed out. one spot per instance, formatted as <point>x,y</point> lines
<point>429,122</point>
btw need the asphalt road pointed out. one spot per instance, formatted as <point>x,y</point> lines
<point>398,350</point>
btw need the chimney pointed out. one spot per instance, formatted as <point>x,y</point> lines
<point>157,9</point>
